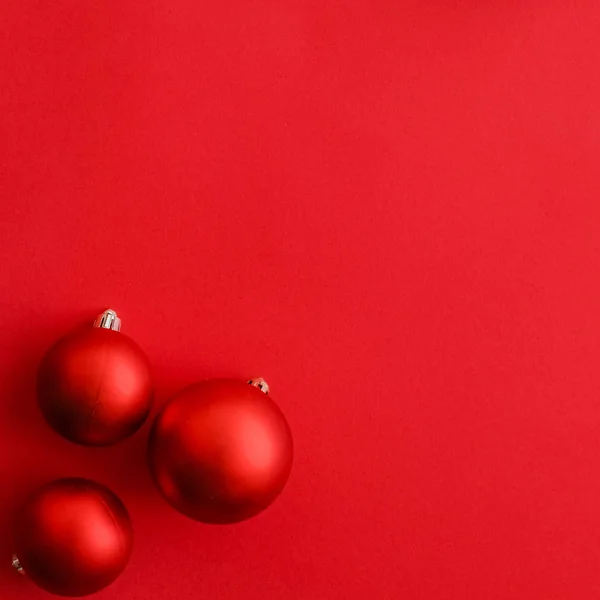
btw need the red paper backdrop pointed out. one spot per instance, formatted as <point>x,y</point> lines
<point>390,209</point>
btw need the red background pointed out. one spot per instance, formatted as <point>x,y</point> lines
<point>390,209</point>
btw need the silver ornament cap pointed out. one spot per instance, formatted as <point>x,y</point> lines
<point>108,320</point>
<point>16,563</point>
<point>261,384</point>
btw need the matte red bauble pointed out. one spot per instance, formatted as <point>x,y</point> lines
<point>220,451</point>
<point>73,537</point>
<point>94,385</point>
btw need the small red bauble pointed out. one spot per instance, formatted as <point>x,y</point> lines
<point>220,451</point>
<point>94,385</point>
<point>73,537</point>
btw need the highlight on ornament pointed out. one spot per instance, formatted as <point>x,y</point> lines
<point>95,385</point>
<point>220,451</point>
<point>73,537</point>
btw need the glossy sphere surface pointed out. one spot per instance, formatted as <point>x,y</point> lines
<point>73,537</point>
<point>220,451</point>
<point>95,387</point>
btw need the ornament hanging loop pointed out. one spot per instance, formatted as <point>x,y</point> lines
<point>108,320</point>
<point>261,384</point>
<point>16,563</point>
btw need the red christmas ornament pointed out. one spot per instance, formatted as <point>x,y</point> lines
<point>220,451</point>
<point>73,537</point>
<point>94,385</point>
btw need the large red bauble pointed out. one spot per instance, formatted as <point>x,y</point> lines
<point>95,387</point>
<point>220,451</point>
<point>73,537</point>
